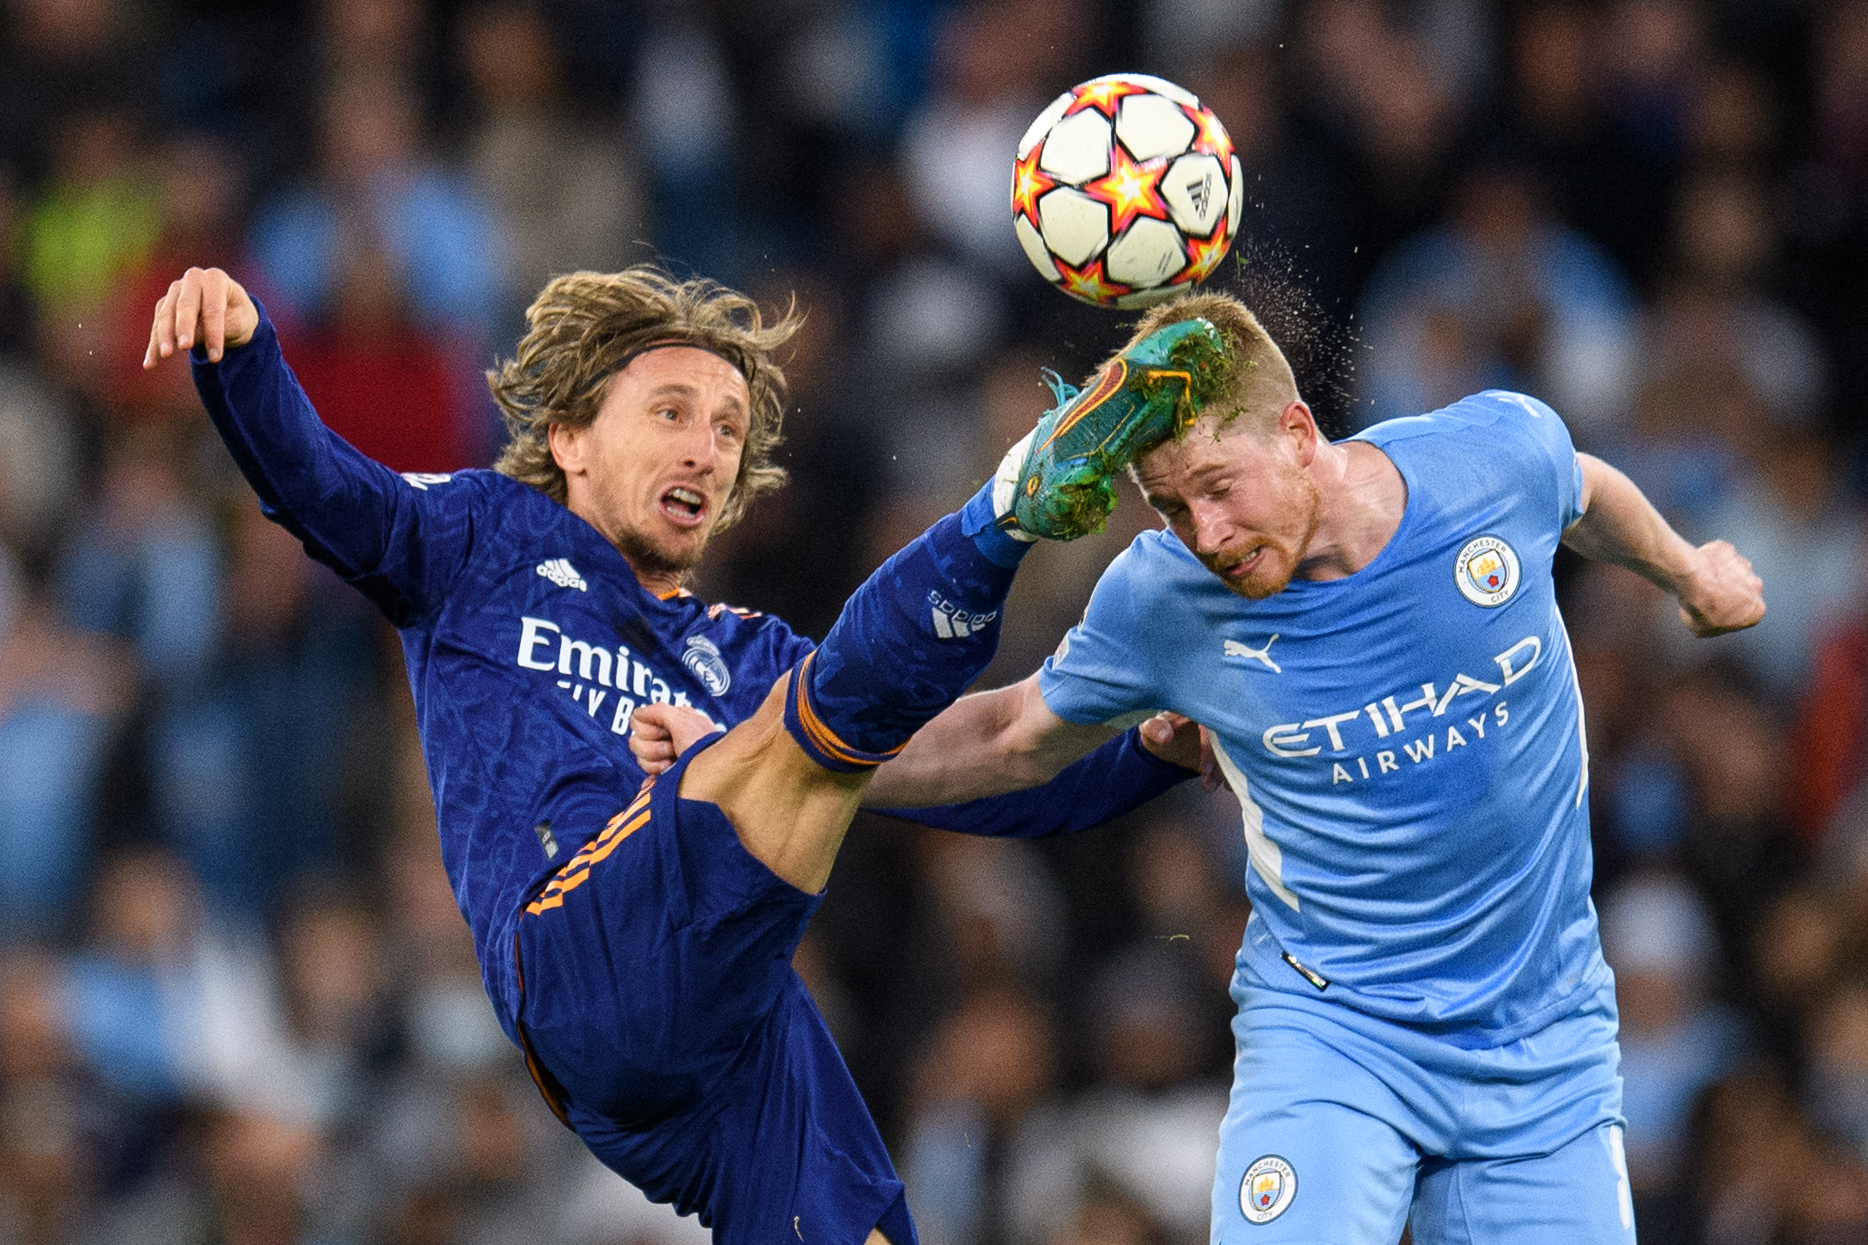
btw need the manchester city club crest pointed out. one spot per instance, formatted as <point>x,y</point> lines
<point>1486,571</point>
<point>1267,1190</point>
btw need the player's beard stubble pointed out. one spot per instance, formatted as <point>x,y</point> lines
<point>651,557</point>
<point>1298,505</point>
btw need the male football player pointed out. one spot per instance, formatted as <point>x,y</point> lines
<point>1369,630</point>
<point>635,938</point>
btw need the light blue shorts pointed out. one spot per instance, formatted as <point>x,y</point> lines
<point>1342,1128</point>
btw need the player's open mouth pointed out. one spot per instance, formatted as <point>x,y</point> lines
<point>683,505</point>
<point>1243,567</point>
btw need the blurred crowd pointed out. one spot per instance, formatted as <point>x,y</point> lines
<point>237,1003</point>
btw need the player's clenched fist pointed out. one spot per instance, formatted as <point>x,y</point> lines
<point>659,734</point>
<point>1723,593</point>
<point>205,307</point>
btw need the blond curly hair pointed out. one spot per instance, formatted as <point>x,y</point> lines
<point>585,326</point>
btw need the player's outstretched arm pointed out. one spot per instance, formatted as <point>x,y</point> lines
<point>1107,782</point>
<point>985,744</point>
<point>1714,583</point>
<point>355,515</point>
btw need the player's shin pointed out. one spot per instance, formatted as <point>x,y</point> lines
<point>908,643</point>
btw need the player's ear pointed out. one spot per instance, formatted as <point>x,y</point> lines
<point>567,447</point>
<point>1297,423</point>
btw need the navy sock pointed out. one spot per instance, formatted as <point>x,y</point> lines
<point>911,639</point>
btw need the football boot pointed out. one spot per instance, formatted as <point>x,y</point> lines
<point>1061,485</point>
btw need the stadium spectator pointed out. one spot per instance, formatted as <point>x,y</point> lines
<point>988,1064</point>
<point>1143,1129</point>
<point>40,474</point>
<point>1502,297</point>
<point>201,187</point>
<point>52,1160</point>
<point>993,61</point>
<point>402,391</point>
<point>563,186</point>
<point>682,100</point>
<point>61,698</point>
<point>378,191</point>
<point>1790,507</point>
<point>1675,1039</point>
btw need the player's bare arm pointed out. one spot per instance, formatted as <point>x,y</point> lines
<point>769,788</point>
<point>985,744</point>
<point>948,763</point>
<point>1715,585</point>
<point>659,734</point>
<point>204,306</point>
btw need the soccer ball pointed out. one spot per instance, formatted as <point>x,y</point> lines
<point>1126,191</point>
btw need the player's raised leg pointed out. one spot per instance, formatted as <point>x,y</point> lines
<point>659,999</point>
<point>924,626</point>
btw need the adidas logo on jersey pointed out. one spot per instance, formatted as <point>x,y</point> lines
<point>560,572</point>
<point>953,623</point>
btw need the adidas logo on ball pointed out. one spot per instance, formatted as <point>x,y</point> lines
<point>1126,191</point>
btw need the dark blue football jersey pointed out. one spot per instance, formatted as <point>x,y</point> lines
<point>529,645</point>
<point>528,639</point>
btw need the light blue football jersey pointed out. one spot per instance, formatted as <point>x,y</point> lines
<point>1406,743</point>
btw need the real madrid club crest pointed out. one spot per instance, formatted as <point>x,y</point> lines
<point>1486,571</point>
<point>703,660</point>
<point>1267,1190</point>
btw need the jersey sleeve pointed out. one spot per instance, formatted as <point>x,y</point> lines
<point>1101,672</point>
<point>777,648</point>
<point>400,540</point>
<point>1112,780</point>
<point>1551,456</point>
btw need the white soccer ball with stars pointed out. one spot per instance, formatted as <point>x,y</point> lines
<point>1126,191</point>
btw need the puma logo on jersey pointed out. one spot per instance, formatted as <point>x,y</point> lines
<point>422,479</point>
<point>560,572</point>
<point>1235,649</point>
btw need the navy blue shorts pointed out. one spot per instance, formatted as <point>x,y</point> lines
<point>663,1022</point>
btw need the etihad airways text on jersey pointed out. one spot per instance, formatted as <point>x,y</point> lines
<point>1388,716</point>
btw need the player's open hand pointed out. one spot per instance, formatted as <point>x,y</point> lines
<point>1721,593</point>
<point>658,734</point>
<point>1181,741</point>
<point>206,307</point>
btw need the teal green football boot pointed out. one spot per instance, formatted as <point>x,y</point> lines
<point>1143,396</point>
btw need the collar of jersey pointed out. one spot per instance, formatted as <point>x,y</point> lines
<point>591,536</point>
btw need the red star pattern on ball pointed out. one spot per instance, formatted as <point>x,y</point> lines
<point>1090,282</point>
<point>1028,182</point>
<point>1103,95</point>
<point>1203,255</point>
<point>1212,137</point>
<point>1130,189</point>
